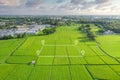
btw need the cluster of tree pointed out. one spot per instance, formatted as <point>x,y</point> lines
<point>21,35</point>
<point>87,29</point>
<point>8,27</point>
<point>113,26</point>
<point>49,30</point>
<point>56,22</point>
<point>3,27</point>
<point>29,20</point>
<point>5,37</point>
<point>101,31</point>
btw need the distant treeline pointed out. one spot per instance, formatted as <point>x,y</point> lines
<point>103,22</point>
<point>113,26</point>
<point>5,37</point>
<point>9,21</point>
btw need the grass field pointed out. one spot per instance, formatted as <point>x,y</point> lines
<point>65,55</point>
<point>111,44</point>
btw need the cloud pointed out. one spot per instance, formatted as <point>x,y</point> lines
<point>82,2</point>
<point>58,6</point>
<point>101,1</point>
<point>78,1</point>
<point>87,4</point>
<point>67,7</point>
<point>10,2</point>
<point>33,3</point>
<point>60,1</point>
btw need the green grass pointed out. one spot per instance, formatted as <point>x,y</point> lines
<point>20,72</point>
<point>48,51</point>
<point>94,60</point>
<point>60,58</point>
<point>45,60</point>
<point>111,44</point>
<point>24,52</point>
<point>87,50</point>
<point>8,46</point>
<point>73,51</point>
<point>5,70</point>
<point>79,72</point>
<point>61,51</point>
<point>109,60</point>
<point>20,59</point>
<point>103,72</point>
<point>41,72</point>
<point>116,68</point>
<point>77,60</point>
<point>61,61</point>
<point>60,73</point>
<point>97,50</point>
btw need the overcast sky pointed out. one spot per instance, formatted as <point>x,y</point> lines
<point>59,7</point>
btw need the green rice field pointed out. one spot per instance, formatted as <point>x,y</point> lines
<point>64,55</point>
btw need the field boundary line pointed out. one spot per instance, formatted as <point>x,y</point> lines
<point>80,64</point>
<point>4,61</point>
<point>33,68</point>
<point>80,54</point>
<point>40,51</point>
<point>104,61</point>
<point>59,56</point>
<point>69,62</point>
<point>78,50</point>
<point>114,70</point>
<point>106,52</point>
<point>97,54</point>
<point>89,72</point>
<point>52,62</point>
<point>108,56</point>
<point>9,73</point>
<point>59,45</point>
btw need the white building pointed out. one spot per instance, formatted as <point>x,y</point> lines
<point>2,23</point>
<point>34,29</point>
<point>21,30</point>
<point>108,32</point>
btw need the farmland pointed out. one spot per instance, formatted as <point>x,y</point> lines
<point>64,55</point>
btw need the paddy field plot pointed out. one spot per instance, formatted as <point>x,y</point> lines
<point>111,44</point>
<point>65,55</point>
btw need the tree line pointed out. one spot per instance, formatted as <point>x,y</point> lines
<point>5,37</point>
<point>49,30</point>
<point>87,29</point>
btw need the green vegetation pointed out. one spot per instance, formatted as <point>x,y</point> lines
<point>103,72</point>
<point>67,54</point>
<point>111,44</point>
<point>87,29</point>
<point>5,37</point>
<point>49,30</point>
<point>109,25</point>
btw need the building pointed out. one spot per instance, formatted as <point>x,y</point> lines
<point>21,30</point>
<point>2,23</point>
<point>34,29</point>
<point>108,32</point>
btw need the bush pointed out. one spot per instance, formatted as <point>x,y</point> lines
<point>5,37</point>
<point>47,31</point>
